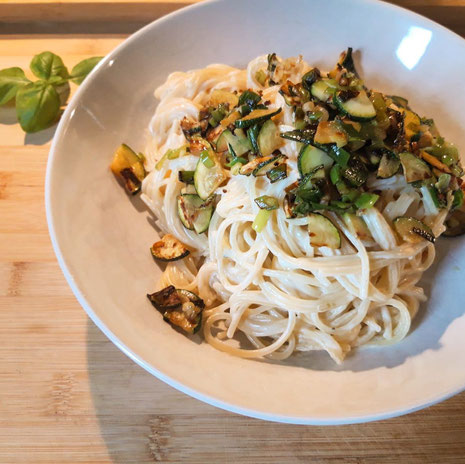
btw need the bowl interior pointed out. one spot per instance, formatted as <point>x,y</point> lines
<point>102,239</point>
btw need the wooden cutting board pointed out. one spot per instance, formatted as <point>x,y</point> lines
<point>67,395</point>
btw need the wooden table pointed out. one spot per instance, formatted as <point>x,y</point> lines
<point>68,395</point>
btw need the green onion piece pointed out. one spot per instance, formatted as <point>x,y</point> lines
<point>249,98</point>
<point>260,77</point>
<point>366,200</point>
<point>236,160</point>
<point>206,159</point>
<point>335,174</point>
<point>458,199</point>
<point>260,220</point>
<point>350,196</point>
<point>339,155</point>
<point>267,202</point>
<point>277,173</point>
<point>235,170</point>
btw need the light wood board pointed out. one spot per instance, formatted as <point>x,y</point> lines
<point>67,395</point>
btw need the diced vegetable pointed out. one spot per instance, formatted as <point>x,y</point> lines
<point>310,77</point>
<point>231,119</point>
<point>310,157</point>
<point>261,220</point>
<point>346,60</point>
<point>260,166</point>
<point>169,248</point>
<point>268,138</point>
<point>208,178</point>
<point>267,202</point>
<point>323,89</point>
<point>128,166</point>
<point>388,166</point>
<point>239,143</point>
<point>194,213</point>
<point>357,108</point>
<point>190,128</point>
<point>179,307</point>
<point>303,136</point>
<point>331,132</point>
<point>366,200</point>
<point>323,232</point>
<point>339,155</point>
<point>256,117</point>
<point>277,173</point>
<point>186,176</point>
<point>206,159</point>
<point>413,230</point>
<point>219,96</point>
<point>411,124</point>
<point>435,162</point>
<point>355,172</point>
<point>357,226</point>
<point>249,98</point>
<point>414,168</point>
<point>252,135</point>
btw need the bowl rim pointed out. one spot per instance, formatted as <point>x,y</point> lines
<point>62,261</point>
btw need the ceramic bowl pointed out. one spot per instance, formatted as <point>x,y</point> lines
<point>101,238</point>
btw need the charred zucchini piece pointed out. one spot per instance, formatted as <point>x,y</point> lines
<point>169,248</point>
<point>260,166</point>
<point>310,157</point>
<point>239,143</point>
<point>388,166</point>
<point>323,232</point>
<point>357,226</point>
<point>190,128</point>
<point>208,174</point>
<point>323,89</point>
<point>195,213</point>
<point>256,117</point>
<point>355,172</point>
<point>413,230</point>
<point>267,202</point>
<point>268,138</point>
<point>455,223</point>
<point>129,167</point>
<point>357,106</point>
<point>310,77</point>
<point>346,60</point>
<point>414,168</point>
<point>186,176</point>
<point>219,96</point>
<point>179,307</point>
<point>331,132</point>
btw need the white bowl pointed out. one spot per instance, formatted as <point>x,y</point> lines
<point>101,238</point>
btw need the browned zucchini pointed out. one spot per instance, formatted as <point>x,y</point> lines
<point>128,166</point>
<point>169,248</point>
<point>179,307</point>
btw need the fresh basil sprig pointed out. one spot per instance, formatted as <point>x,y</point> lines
<point>38,103</point>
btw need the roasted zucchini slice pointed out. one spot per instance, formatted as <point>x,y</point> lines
<point>414,168</point>
<point>268,138</point>
<point>169,248</point>
<point>357,107</point>
<point>310,157</point>
<point>388,166</point>
<point>179,307</point>
<point>208,175</point>
<point>128,167</point>
<point>357,226</point>
<point>331,132</point>
<point>195,213</point>
<point>323,232</point>
<point>413,230</point>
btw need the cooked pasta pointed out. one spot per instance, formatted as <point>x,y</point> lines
<point>270,290</point>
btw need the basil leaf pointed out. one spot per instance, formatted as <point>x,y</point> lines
<point>37,106</point>
<point>11,79</point>
<point>83,68</point>
<point>46,65</point>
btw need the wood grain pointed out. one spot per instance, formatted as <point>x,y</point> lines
<point>67,395</point>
